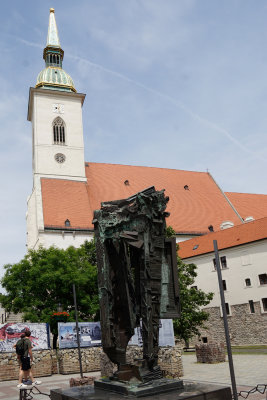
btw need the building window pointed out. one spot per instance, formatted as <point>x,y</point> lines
<point>204,339</point>
<point>264,304</point>
<point>263,279</point>
<point>248,282</point>
<point>227,307</point>
<point>224,285</point>
<point>222,261</point>
<point>251,306</point>
<point>59,131</point>
<point>67,223</point>
<point>245,258</point>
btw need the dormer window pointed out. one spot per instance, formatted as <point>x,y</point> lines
<point>67,223</point>
<point>59,131</point>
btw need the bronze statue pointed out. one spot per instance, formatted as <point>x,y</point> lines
<point>137,278</point>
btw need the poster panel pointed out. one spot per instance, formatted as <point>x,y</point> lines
<point>89,333</point>
<point>10,334</point>
<point>166,334</point>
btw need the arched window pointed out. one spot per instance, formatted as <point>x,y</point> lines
<point>59,131</point>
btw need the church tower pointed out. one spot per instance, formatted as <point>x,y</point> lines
<point>55,111</point>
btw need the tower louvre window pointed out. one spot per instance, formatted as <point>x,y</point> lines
<point>59,131</point>
<point>53,59</point>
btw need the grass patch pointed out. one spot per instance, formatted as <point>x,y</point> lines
<point>252,347</point>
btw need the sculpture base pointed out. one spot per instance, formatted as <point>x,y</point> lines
<point>195,391</point>
<point>156,386</point>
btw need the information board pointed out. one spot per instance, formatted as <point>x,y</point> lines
<point>166,334</point>
<point>89,334</point>
<point>10,334</point>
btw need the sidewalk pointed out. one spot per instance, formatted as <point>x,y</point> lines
<point>9,390</point>
<point>250,371</point>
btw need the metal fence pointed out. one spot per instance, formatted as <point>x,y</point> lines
<point>4,317</point>
<point>261,388</point>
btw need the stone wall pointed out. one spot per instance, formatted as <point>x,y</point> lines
<point>68,361</point>
<point>245,328</point>
<point>9,366</point>
<point>65,361</point>
<point>210,353</point>
<point>170,360</point>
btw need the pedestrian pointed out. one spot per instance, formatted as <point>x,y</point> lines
<point>25,362</point>
<point>17,346</point>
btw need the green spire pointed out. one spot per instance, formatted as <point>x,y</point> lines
<point>52,35</point>
<point>53,77</point>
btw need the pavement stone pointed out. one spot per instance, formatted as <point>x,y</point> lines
<point>250,371</point>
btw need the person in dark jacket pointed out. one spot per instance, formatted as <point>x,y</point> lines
<point>25,364</point>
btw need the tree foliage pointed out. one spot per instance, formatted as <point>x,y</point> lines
<point>192,300</point>
<point>43,279</point>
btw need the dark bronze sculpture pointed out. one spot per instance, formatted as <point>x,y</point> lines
<point>137,278</point>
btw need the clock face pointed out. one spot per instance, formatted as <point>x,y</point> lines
<point>60,158</point>
<point>58,108</point>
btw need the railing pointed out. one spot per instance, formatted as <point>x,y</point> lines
<point>4,317</point>
<point>259,388</point>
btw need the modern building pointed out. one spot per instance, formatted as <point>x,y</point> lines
<point>66,189</point>
<point>243,263</point>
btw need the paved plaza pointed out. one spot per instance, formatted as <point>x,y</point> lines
<point>250,370</point>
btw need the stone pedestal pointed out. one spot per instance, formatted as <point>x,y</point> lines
<point>195,391</point>
<point>157,386</point>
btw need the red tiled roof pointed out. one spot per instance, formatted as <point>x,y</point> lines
<point>190,210</point>
<point>235,236</point>
<point>249,205</point>
<point>64,199</point>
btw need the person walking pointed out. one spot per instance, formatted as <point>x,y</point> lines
<point>25,363</point>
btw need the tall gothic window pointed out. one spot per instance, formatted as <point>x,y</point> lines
<point>59,131</point>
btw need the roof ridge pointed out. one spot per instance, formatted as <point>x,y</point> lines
<point>242,226</point>
<point>145,166</point>
<point>227,238</point>
<point>255,194</point>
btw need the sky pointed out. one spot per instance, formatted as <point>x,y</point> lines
<point>177,84</point>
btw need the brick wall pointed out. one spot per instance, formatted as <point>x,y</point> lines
<point>245,328</point>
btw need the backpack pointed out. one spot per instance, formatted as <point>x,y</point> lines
<point>20,348</point>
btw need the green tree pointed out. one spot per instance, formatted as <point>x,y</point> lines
<point>192,299</point>
<point>43,279</point>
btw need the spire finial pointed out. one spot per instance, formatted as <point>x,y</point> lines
<point>52,36</point>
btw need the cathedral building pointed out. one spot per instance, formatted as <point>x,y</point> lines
<point>66,189</point>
